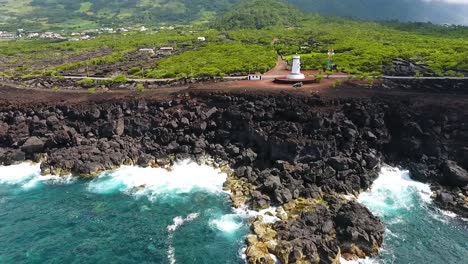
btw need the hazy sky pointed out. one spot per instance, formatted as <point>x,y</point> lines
<point>451,1</point>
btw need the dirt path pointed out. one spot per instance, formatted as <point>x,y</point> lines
<point>278,69</point>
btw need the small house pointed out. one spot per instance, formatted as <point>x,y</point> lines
<point>165,51</point>
<point>147,50</point>
<point>255,77</point>
<point>201,39</point>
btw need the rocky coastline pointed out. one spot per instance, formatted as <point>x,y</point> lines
<point>301,154</point>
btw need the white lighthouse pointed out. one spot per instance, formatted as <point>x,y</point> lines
<point>296,69</point>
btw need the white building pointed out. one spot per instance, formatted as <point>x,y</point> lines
<point>202,39</point>
<point>148,50</point>
<point>255,77</point>
<point>165,51</point>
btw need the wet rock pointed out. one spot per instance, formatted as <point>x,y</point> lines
<point>445,198</point>
<point>145,160</point>
<point>419,171</point>
<point>260,201</point>
<point>89,169</point>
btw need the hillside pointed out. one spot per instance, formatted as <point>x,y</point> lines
<point>438,11</point>
<point>83,14</point>
<point>259,14</point>
<point>72,14</point>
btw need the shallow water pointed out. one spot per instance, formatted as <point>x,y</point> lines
<point>416,231</point>
<point>131,215</point>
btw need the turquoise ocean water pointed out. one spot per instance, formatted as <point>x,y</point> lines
<point>132,215</point>
<point>136,215</point>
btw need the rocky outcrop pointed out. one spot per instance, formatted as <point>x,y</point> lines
<point>454,174</point>
<point>441,86</point>
<point>297,153</point>
<point>406,68</point>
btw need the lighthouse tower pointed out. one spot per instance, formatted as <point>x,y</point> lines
<point>296,69</point>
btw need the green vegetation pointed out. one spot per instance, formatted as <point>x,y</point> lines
<point>92,90</point>
<point>85,14</point>
<point>216,60</point>
<point>82,14</point>
<point>258,14</point>
<point>318,78</point>
<point>337,84</point>
<point>86,81</point>
<point>120,79</point>
<point>363,47</point>
<point>248,39</point>
<point>140,88</point>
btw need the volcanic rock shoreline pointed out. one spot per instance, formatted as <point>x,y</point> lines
<point>302,154</point>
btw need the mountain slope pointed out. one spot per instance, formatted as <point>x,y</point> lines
<point>435,11</point>
<point>259,14</point>
<point>60,13</point>
<point>71,14</point>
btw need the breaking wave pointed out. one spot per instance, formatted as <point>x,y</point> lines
<point>28,176</point>
<point>412,222</point>
<point>184,177</point>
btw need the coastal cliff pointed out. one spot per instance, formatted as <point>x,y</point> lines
<point>304,154</point>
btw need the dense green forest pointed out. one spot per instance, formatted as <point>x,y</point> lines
<point>258,14</point>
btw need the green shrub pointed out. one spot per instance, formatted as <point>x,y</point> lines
<point>56,88</point>
<point>140,88</point>
<point>370,81</point>
<point>86,81</point>
<point>318,78</point>
<point>120,79</point>
<point>92,90</point>
<point>134,70</point>
<point>418,74</point>
<point>337,84</point>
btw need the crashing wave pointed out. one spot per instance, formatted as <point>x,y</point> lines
<point>28,176</point>
<point>184,177</point>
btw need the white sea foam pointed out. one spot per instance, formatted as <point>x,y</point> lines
<point>232,222</point>
<point>227,223</point>
<point>178,222</point>
<point>184,177</point>
<point>19,174</point>
<point>28,176</point>
<point>393,190</point>
<point>359,261</point>
<point>269,215</point>
<point>171,255</point>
